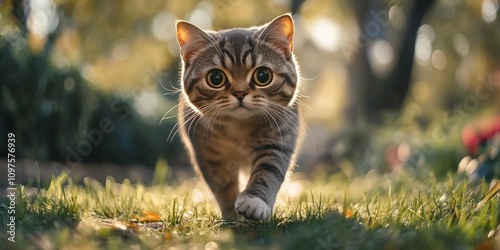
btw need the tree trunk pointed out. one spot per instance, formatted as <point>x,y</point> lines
<point>372,95</point>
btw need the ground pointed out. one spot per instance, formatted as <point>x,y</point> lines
<point>372,211</point>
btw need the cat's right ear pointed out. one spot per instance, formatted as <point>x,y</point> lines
<point>191,39</point>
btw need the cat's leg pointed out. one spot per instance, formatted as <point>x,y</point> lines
<point>268,173</point>
<point>222,178</point>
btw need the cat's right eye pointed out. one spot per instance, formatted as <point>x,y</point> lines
<point>216,78</point>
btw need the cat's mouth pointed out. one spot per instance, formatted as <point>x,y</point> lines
<point>240,106</point>
<point>241,111</point>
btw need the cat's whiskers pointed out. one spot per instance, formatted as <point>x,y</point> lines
<point>212,119</point>
<point>297,118</point>
<point>192,114</point>
<point>284,115</point>
<point>284,112</point>
<point>300,102</point>
<point>269,112</point>
<point>156,76</point>
<point>165,117</point>
<point>173,91</point>
<point>186,118</point>
<point>207,109</point>
<point>308,79</point>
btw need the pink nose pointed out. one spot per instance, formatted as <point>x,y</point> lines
<point>240,95</point>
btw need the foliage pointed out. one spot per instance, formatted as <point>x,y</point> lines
<point>35,105</point>
<point>49,106</point>
<point>371,212</point>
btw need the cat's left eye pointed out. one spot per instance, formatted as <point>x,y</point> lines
<point>262,76</point>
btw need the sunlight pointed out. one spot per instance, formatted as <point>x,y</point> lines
<point>292,188</point>
<point>463,74</point>
<point>62,63</point>
<point>374,124</point>
<point>146,102</point>
<point>43,17</point>
<point>381,55</point>
<point>197,196</point>
<point>202,16</point>
<point>211,246</point>
<point>162,26</point>
<point>489,10</point>
<point>69,84</point>
<point>325,34</point>
<point>461,44</point>
<point>423,44</point>
<point>438,59</point>
<point>397,16</point>
<point>120,50</point>
<point>382,52</point>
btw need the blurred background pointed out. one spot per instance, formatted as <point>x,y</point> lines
<point>387,84</point>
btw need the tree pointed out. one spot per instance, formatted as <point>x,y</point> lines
<point>374,94</point>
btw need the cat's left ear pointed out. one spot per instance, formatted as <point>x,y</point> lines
<point>279,32</point>
<point>191,39</point>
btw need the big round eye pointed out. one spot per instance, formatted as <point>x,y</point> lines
<point>216,78</point>
<point>262,76</point>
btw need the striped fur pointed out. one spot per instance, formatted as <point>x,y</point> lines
<point>256,135</point>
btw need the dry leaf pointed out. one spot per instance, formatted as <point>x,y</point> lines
<point>167,235</point>
<point>348,214</point>
<point>146,217</point>
<point>488,244</point>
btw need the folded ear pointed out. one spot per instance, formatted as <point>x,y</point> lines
<point>279,32</point>
<point>191,39</point>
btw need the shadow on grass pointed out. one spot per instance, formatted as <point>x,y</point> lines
<point>335,231</point>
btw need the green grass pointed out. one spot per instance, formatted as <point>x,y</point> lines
<point>374,211</point>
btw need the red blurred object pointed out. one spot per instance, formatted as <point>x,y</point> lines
<point>391,156</point>
<point>470,139</point>
<point>479,131</point>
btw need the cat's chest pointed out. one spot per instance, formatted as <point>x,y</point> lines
<point>238,134</point>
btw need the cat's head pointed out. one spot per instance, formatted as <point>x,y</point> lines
<point>238,72</point>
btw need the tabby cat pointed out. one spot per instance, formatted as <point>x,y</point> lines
<point>237,112</point>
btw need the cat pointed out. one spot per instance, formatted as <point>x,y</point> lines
<point>237,111</point>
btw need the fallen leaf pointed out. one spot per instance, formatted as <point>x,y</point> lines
<point>348,214</point>
<point>488,244</point>
<point>146,217</point>
<point>167,235</point>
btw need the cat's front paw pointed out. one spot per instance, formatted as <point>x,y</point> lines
<point>252,207</point>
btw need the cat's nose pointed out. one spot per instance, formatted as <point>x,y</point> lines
<point>240,95</point>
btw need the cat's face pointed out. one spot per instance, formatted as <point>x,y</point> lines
<point>239,73</point>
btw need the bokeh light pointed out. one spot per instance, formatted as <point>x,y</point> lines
<point>489,10</point>
<point>43,17</point>
<point>89,60</point>
<point>325,34</point>
<point>381,56</point>
<point>438,59</point>
<point>423,44</point>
